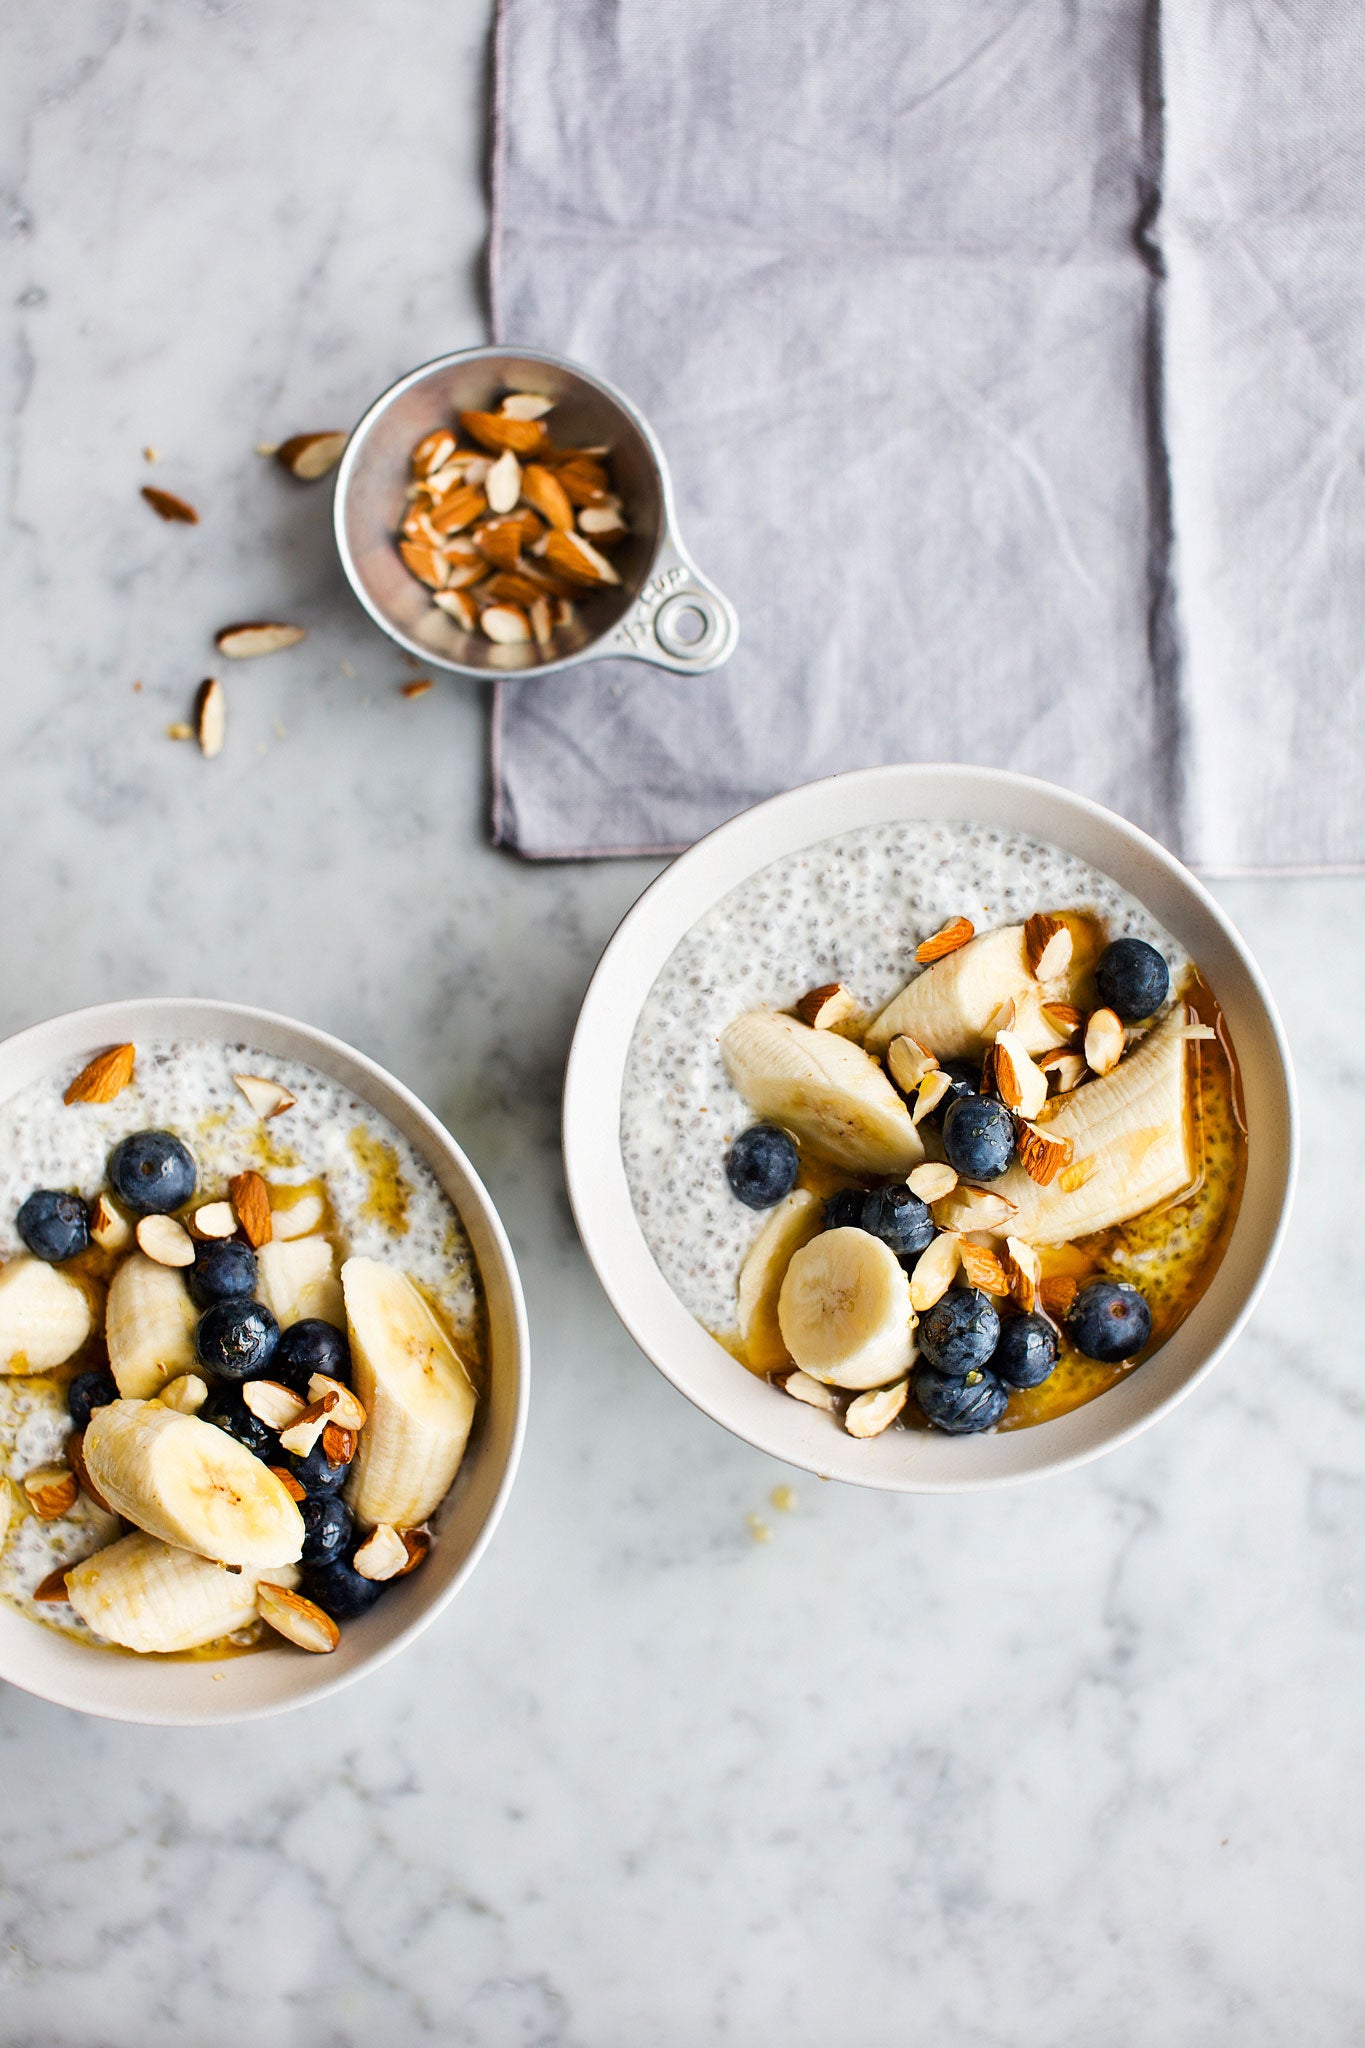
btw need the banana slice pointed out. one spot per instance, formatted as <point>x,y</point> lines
<point>147,1596</point>
<point>190,1484</point>
<point>1132,1140</point>
<point>824,1088</point>
<point>44,1316</point>
<point>844,1311</point>
<point>949,1007</point>
<point>792,1223</point>
<point>298,1278</point>
<point>417,1396</point>
<point>149,1326</point>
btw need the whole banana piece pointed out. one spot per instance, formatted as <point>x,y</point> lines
<point>45,1316</point>
<point>827,1090</point>
<point>145,1595</point>
<point>149,1326</point>
<point>418,1398</point>
<point>190,1484</point>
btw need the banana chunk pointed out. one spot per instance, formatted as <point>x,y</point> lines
<point>949,1007</point>
<point>794,1222</point>
<point>1133,1145</point>
<point>418,1398</point>
<point>824,1088</point>
<point>44,1316</point>
<point>147,1596</point>
<point>149,1326</point>
<point>844,1311</point>
<point>190,1484</point>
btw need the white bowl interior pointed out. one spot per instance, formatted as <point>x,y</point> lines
<point>127,1687</point>
<point>904,1460</point>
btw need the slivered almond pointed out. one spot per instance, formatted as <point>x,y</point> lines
<point>268,1098</point>
<point>503,482</point>
<point>458,604</point>
<point>1104,1042</point>
<point>432,452</point>
<point>802,1387</point>
<point>934,1271</point>
<point>1056,1292</point>
<point>347,1411</point>
<point>1065,1070</point>
<point>288,1482</point>
<point>465,504</point>
<point>1024,1270</point>
<point>930,1092</point>
<point>506,623</point>
<point>1041,1157</point>
<point>107,1075</point>
<point>578,559</point>
<point>541,487</point>
<point>338,1445</point>
<point>417,1544</point>
<point>301,1621</point>
<point>825,1009</point>
<point>981,1268</point>
<point>932,1181</point>
<point>953,935</point>
<point>426,564</point>
<point>110,1229</point>
<point>51,1491</point>
<point>167,1242</point>
<point>254,637</point>
<point>251,1200</point>
<point>908,1062</point>
<point>1047,943</point>
<point>210,717</point>
<point>276,1405</point>
<point>497,431</point>
<point>214,1220</point>
<point>499,541</point>
<point>383,1554</point>
<point>166,505</point>
<point>309,456</point>
<point>1020,1085</point>
<point>53,1587</point>
<point>75,1458</point>
<point>1064,1018</point>
<point>525,405</point>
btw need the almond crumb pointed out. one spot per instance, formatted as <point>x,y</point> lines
<point>417,688</point>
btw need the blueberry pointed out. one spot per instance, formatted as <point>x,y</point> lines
<point>326,1528</point>
<point>1109,1320</point>
<point>964,1079</point>
<point>88,1391</point>
<point>340,1591</point>
<point>152,1173</point>
<point>307,1347</point>
<point>900,1219</point>
<point>959,1406</point>
<point>53,1225</point>
<point>844,1211</point>
<point>959,1333</point>
<point>1026,1353</point>
<point>236,1338</point>
<point>1133,979</point>
<point>315,1472</point>
<point>978,1137</point>
<point>222,1269</point>
<point>761,1166</point>
<point>227,1411</point>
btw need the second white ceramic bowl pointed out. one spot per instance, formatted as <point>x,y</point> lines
<point>187,1692</point>
<point>915,1461</point>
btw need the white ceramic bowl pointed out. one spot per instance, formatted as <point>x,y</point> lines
<point>243,1688</point>
<point>905,1460</point>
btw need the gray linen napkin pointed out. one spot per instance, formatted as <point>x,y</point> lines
<point>887,280</point>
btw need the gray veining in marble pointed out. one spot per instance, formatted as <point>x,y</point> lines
<point>1081,1763</point>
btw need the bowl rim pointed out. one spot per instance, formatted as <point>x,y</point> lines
<point>319,1680</point>
<point>599,1195</point>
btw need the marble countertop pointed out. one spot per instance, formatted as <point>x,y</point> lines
<point>1075,1763</point>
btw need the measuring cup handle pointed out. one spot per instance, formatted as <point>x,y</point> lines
<point>680,621</point>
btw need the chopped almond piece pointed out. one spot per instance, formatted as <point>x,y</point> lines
<point>107,1075</point>
<point>578,559</point>
<point>302,1621</point>
<point>506,623</point>
<point>165,1241</point>
<point>982,1268</point>
<point>497,431</point>
<point>167,506</point>
<point>827,1008</point>
<point>433,452</point>
<point>309,456</point>
<point>907,1062</point>
<point>255,637</point>
<point>251,1200</point>
<point>426,564</point>
<point>1041,1157</point>
<point>1047,943</point>
<point>465,504</point>
<point>1104,1042</point>
<point>51,1491</point>
<point>541,487</point>
<point>1056,1292</point>
<point>948,940</point>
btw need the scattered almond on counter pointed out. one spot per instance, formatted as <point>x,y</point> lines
<point>167,506</point>
<point>254,637</point>
<point>309,456</point>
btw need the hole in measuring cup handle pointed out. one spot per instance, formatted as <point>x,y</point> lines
<point>679,621</point>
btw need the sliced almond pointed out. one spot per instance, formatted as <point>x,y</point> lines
<point>497,431</point>
<point>75,1458</point>
<point>1025,1272</point>
<point>251,1200</point>
<point>295,1219</point>
<point>825,1009</point>
<point>465,504</point>
<point>417,1544</point>
<point>813,1392</point>
<point>541,487</point>
<point>931,1091</point>
<point>1020,1084</point>
<point>301,1621</point>
<point>165,1240</point>
<point>300,1435</point>
<point>578,559</point>
<point>873,1412</point>
<point>288,1482</point>
<point>459,605</point>
<point>268,1098</point>
<point>1064,1069</point>
<point>383,1554</point>
<point>309,456</point>
<point>525,405</point>
<point>954,934</point>
<point>186,1393</point>
<point>53,1587</point>
<point>502,485</point>
<point>1104,1042</point>
<point>338,1445</point>
<point>907,1062</point>
<point>210,717</point>
<point>432,452</point>
<point>166,505</point>
<point>51,1491</point>
<point>982,1268</point>
<point>426,564</point>
<point>1056,1292</point>
<point>1064,1018</point>
<point>347,1410</point>
<point>254,637</point>
<point>932,1180</point>
<point>972,1208</point>
<point>603,525</point>
<point>934,1271</point>
<point>1041,1157</point>
<point>277,1406</point>
<point>214,1220</point>
<point>506,623</point>
<point>1047,943</point>
<point>110,1229</point>
<point>107,1075</point>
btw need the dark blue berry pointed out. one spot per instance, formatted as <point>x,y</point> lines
<point>53,1225</point>
<point>1027,1351</point>
<point>959,1333</point>
<point>959,1406</point>
<point>761,1166</point>
<point>963,1079</point>
<point>978,1137</point>
<point>89,1391</point>
<point>315,1472</point>
<point>339,1590</point>
<point>307,1347</point>
<point>844,1211</point>
<point>236,1338</point>
<point>227,1411</point>
<point>900,1219</point>
<point>326,1528</point>
<point>1109,1320</point>
<point>152,1173</point>
<point>1133,979</point>
<point>222,1269</point>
